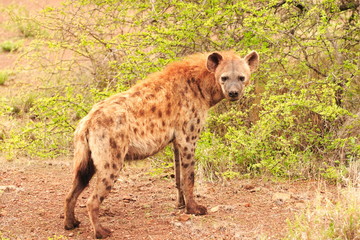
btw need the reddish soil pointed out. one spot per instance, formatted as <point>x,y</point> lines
<point>141,206</point>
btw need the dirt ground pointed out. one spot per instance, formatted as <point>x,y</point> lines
<point>142,206</point>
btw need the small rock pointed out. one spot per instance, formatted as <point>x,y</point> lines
<point>184,217</point>
<point>214,209</point>
<point>281,197</point>
<point>128,199</point>
<point>247,205</point>
<point>249,186</point>
<point>9,188</point>
<point>178,224</point>
<point>257,189</point>
<point>71,234</point>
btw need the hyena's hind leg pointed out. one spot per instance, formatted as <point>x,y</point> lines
<point>83,173</point>
<point>107,175</point>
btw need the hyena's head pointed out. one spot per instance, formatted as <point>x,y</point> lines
<point>233,72</point>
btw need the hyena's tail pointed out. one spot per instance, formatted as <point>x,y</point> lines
<point>83,163</point>
<point>84,170</point>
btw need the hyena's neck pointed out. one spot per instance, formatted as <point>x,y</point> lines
<point>209,89</point>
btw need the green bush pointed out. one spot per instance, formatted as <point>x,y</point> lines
<point>4,76</point>
<point>11,46</point>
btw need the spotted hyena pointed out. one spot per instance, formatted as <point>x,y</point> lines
<point>170,106</point>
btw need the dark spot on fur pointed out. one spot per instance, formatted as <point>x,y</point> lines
<point>122,136</point>
<point>153,108</point>
<point>107,165</point>
<point>112,176</point>
<point>135,130</point>
<point>168,96</point>
<point>142,133</point>
<point>188,156</point>
<point>160,114</point>
<point>108,188</point>
<point>192,163</point>
<point>163,123</point>
<point>185,165</point>
<point>185,149</point>
<point>193,109</point>
<point>187,139</point>
<point>102,199</point>
<point>105,181</point>
<point>118,155</point>
<point>114,166</point>
<point>192,177</point>
<point>198,121</point>
<point>108,121</point>
<point>95,196</point>
<point>192,128</point>
<point>150,96</point>
<point>141,113</point>
<point>193,137</point>
<point>113,143</point>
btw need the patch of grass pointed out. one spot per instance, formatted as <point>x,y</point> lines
<point>329,219</point>
<point>21,21</point>
<point>11,46</point>
<point>4,76</point>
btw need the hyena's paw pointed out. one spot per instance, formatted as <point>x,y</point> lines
<point>196,209</point>
<point>71,224</point>
<point>102,232</point>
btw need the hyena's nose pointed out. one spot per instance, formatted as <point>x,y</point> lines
<point>233,94</point>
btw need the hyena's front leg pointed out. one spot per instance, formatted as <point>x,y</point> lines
<point>187,163</point>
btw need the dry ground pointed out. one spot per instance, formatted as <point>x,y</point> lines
<point>141,206</point>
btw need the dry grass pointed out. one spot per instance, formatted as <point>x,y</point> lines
<point>328,218</point>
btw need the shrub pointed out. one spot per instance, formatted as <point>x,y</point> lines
<point>4,75</point>
<point>11,46</point>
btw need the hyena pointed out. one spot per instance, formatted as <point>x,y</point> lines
<point>169,106</point>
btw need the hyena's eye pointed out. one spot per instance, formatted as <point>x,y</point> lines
<point>224,78</point>
<point>241,78</point>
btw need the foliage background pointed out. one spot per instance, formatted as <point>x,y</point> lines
<point>299,118</point>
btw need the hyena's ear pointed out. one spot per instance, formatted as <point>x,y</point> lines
<point>213,61</point>
<point>252,59</point>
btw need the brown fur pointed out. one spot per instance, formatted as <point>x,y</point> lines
<point>168,107</point>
